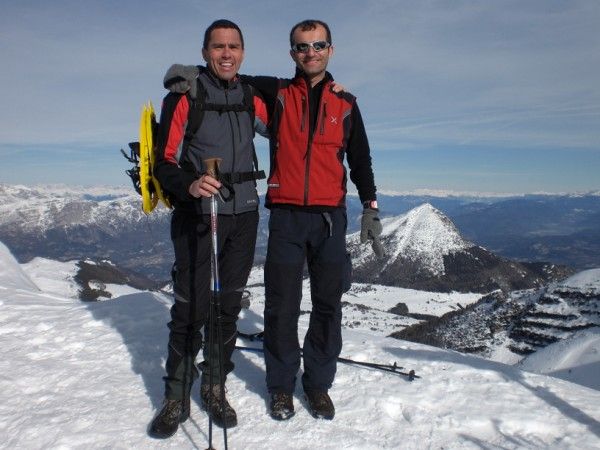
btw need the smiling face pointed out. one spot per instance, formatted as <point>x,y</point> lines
<point>311,62</point>
<point>224,53</point>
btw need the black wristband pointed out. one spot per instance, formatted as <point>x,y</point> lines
<point>370,204</point>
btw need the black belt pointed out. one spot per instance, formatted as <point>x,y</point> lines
<point>240,177</point>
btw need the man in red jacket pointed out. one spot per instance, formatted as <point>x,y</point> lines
<point>311,130</point>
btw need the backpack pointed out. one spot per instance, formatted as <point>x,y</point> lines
<point>142,152</point>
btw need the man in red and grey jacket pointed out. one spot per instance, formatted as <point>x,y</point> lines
<point>226,131</point>
<point>311,129</point>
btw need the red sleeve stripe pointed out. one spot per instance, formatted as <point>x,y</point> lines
<point>177,131</point>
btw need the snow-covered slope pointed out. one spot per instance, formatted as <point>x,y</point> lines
<point>505,327</point>
<point>586,282</point>
<point>88,375</point>
<point>54,277</point>
<point>575,359</point>
<point>560,310</point>
<point>11,273</point>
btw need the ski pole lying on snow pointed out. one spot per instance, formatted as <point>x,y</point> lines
<point>394,368</point>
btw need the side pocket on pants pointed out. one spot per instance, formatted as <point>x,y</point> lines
<point>347,281</point>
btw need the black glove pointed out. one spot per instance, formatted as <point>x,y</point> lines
<point>370,229</point>
<point>180,79</point>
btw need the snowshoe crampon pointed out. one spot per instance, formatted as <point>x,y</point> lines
<point>142,156</point>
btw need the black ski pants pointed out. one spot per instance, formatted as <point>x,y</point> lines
<point>320,240</point>
<point>191,236</point>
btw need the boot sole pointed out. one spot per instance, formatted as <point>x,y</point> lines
<point>317,415</point>
<point>283,417</point>
<point>161,435</point>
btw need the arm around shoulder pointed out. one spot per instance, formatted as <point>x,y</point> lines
<point>181,79</point>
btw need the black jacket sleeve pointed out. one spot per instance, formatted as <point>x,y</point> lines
<point>359,158</point>
<point>266,86</point>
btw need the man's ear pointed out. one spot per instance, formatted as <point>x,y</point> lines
<point>205,55</point>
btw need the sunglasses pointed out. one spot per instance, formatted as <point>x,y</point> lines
<point>317,46</point>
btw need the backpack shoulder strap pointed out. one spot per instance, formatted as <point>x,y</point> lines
<point>249,100</point>
<point>195,115</point>
<point>196,111</point>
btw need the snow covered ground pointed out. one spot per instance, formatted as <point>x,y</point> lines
<point>88,375</point>
<point>575,359</point>
<point>367,306</point>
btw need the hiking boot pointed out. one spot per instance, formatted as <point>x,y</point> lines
<point>222,414</point>
<point>320,405</point>
<point>282,406</point>
<point>167,420</point>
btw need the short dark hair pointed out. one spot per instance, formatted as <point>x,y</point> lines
<point>307,25</point>
<point>221,23</point>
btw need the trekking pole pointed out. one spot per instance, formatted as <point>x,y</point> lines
<point>212,166</point>
<point>394,368</point>
<point>211,342</point>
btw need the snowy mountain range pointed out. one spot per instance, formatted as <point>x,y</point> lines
<point>88,375</point>
<point>424,248</point>
<point>66,223</point>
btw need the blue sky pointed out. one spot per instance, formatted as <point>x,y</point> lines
<point>499,96</point>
